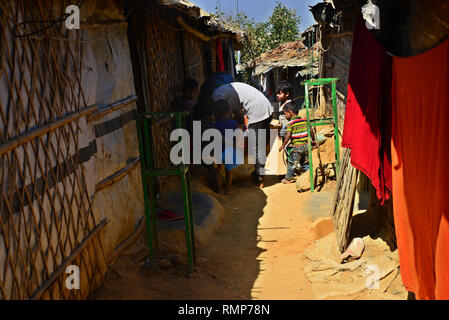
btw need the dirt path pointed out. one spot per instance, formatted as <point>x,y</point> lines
<point>256,253</point>
<point>284,233</point>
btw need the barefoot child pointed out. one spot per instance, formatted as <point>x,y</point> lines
<point>224,120</point>
<point>297,134</point>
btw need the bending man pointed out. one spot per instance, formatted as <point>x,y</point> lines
<point>247,100</point>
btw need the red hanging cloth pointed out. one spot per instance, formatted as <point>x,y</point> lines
<point>220,60</point>
<point>367,129</point>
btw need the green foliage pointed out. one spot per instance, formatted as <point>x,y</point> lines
<point>282,26</point>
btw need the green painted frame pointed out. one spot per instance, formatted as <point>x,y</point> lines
<point>149,173</point>
<point>321,122</point>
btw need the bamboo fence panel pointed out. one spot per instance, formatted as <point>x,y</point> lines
<point>161,67</point>
<point>167,55</point>
<point>344,200</point>
<point>45,208</point>
<point>195,60</point>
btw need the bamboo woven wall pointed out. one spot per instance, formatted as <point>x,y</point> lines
<point>197,64</point>
<point>46,219</point>
<point>161,70</point>
<point>166,55</point>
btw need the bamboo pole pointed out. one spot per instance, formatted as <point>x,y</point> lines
<point>85,25</point>
<point>21,139</point>
<point>195,32</point>
<point>116,176</point>
<point>111,108</point>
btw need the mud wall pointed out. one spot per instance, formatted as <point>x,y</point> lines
<point>108,78</point>
<point>61,142</point>
<point>335,62</point>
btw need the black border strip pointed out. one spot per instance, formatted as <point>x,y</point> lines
<point>115,124</point>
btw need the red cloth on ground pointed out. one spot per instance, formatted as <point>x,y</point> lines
<point>220,60</point>
<point>368,105</point>
<point>420,154</point>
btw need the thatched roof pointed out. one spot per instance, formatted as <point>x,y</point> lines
<point>290,54</point>
<point>196,13</point>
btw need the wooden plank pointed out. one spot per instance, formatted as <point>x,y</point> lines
<point>344,201</point>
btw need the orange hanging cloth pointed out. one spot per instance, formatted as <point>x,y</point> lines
<point>420,161</point>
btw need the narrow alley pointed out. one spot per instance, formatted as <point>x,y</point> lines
<point>224,150</point>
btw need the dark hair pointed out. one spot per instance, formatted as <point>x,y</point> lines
<point>221,108</point>
<point>285,87</point>
<point>190,85</point>
<point>290,106</point>
<point>201,111</point>
<point>207,87</point>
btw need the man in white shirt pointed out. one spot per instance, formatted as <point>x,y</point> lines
<point>247,100</point>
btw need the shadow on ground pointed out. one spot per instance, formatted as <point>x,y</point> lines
<point>227,264</point>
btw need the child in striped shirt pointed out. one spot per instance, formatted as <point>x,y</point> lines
<point>297,134</point>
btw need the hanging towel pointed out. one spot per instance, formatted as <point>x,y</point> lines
<point>220,60</point>
<point>366,131</point>
<point>420,154</point>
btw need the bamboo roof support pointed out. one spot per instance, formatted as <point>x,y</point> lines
<point>193,31</point>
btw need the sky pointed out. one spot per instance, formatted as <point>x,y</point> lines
<point>260,10</point>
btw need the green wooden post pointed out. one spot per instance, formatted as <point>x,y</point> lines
<point>149,151</point>
<point>188,226</point>
<point>314,123</point>
<point>309,138</point>
<point>189,206</point>
<point>149,175</point>
<point>191,222</point>
<point>336,135</point>
<point>187,198</point>
<point>143,167</point>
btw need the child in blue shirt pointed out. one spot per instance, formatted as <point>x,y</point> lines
<point>224,120</point>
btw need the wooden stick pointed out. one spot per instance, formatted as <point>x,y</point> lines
<point>117,176</point>
<point>193,31</point>
<point>100,24</point>
<point>111,107</point>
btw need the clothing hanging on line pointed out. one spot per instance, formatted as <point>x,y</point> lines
<point>220,60</point>
<point>367,128</point>
<point>420,155</point>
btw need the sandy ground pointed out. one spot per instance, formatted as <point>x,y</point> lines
<point>257,252</point>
